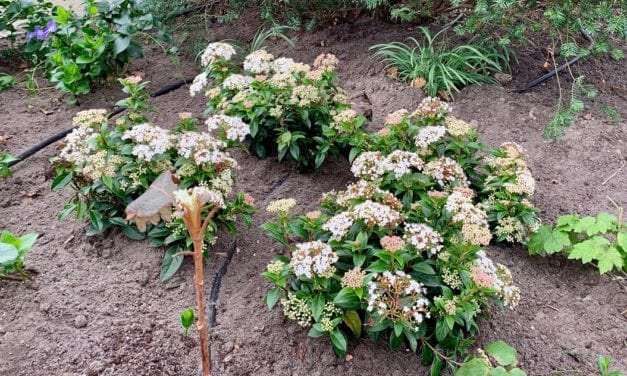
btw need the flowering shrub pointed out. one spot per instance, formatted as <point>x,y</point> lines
<point>430,155</point>
<point>109,166</point>
<point>77,51</point>
<point>370,263</point>
<point>293,109</point>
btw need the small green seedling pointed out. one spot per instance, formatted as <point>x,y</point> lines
<point>5,159</point>
<point>187,320</point>
<point>12,251</point>
<point>604,364</point>
<point>497,358</point>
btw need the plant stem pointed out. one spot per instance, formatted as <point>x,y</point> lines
<point>196,228</point>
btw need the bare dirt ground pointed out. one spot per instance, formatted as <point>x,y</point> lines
<point>98,308</point>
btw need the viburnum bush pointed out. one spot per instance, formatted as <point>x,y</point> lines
<point>294,110</point>
<point>110,165</point>
<point>447,152</point>
<point>399,252</point>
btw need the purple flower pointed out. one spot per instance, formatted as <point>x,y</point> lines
<point>42,33</point>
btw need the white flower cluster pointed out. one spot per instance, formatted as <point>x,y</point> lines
<point>339,224</point>
<point>457,127</point>
<point>199,83</point>
<point>361,189</point>
<point>423,238</point>
<point>197,197</point>
<point>326,62</point>
<point>343,117</point>
<point>78,145</point>
<point>203,148</point>
<point>304,95</point>
<point>446,171</point>
<point>402,162</point>
<point>431,107</point>
<point>485,274</point>
<point>149,141</point>
<point>282,65</point>
<point>376,214</point>
<point>297,309</point>
<point>234,127</point>
<point>475,227</point>
<point>258,62</point>
<point>428,136</point>
<point>513,164</point>
<point>237,82</point>
<point>396,296</point>
<point>216,51</point>
<point>313,259</point>
<point>368,165</point>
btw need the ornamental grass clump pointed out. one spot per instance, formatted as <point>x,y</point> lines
<point>294,110</point>
<point>109,164</point>
<point>399,253</point>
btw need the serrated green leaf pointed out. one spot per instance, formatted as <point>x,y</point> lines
<point>589,250</point>
<point>556,241</point>
<point>584,223</point>
<point>567,222</point>
<point>609,260</point>
<point>503,353</point>
<point>474,367</point>
<point>604,223</point>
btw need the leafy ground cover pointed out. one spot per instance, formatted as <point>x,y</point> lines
<point>88,303</point>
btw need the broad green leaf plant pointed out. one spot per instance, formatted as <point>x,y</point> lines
<point>12,252</point>
<point>600,240</point>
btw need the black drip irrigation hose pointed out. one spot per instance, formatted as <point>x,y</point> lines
<point>54,138</point>
<point>217,278</point>
<point>557,70</point>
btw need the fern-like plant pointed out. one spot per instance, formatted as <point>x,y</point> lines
<point>439,69</point>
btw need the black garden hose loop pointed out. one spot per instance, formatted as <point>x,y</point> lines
<point>54,138</point>
<point>557,70</point>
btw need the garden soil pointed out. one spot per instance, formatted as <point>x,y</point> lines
<point>97,306</point>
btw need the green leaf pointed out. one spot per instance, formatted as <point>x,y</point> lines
<point>609,260</point>
<point>441,330</point>
<point>589,250</point>
<point>338,339</point>
<point>315,331</point>
<point>584,223</point>
<point>352,320</point>
<point>120,44</point>
<point>130,232</point>
<point>503,353</point>
<point>347,299</point>
<point>517,372</point>
<point>8,253</point>
<point>187,318</point>
<point>474,367</point>
<point>556,241</point>
<point>423,267</point>
<point>622,240</point>
<point>436,366</point>
<point>170,264</point>
<point>273,297</point>
<point>317,306</point>
<point>62,180</point>
<point>26,242</point>
<point>604,223</point>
